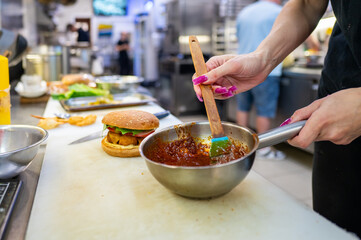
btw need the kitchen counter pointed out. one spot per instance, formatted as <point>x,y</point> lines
<point>302,72</point>
<point>83,193</point>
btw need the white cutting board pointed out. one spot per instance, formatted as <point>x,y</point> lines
<point>83,193</point>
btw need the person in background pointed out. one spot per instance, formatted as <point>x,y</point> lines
<point>123,47</point>
<point>254,23</point>
<point>83,36</point>
<point>333,121</point>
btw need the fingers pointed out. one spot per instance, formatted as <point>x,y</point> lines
<point>217,67</point>
<point>310,132</point>
<point>307,135</point>
<point>219,91</point>
<point>198,92</point>
<point>213,75</point>
<point>223,92</point>
<point>306,112</point>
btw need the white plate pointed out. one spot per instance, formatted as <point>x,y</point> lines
<point>31,94</point>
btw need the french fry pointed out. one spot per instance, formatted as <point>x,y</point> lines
<point>75,120</point>
<point>36,116</point>
<point>82,121</point>
<point>53,122</point>
<point>49,123</point>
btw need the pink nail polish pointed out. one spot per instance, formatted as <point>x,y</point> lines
<point>221,90</point>
<point>227,94</point>
<point>232,89</point>
<point>287,121</point>
<point>200,79</point>
<point>200,98</point>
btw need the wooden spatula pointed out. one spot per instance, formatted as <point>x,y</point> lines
<point>220,143</point>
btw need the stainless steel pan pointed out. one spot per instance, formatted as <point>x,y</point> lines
<point>215,180</point>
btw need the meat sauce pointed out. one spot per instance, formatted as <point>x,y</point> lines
<point>187,151</point>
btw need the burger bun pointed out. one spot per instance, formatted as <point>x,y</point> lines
<point>116,150</point>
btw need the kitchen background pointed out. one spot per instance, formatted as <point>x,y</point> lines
<point>160,54</point>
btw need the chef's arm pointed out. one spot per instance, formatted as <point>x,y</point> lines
<point>294,24</point>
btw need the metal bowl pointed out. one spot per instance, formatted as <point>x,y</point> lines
<point>118,83</point>
<point>19,145</point>
<point>215,180</point>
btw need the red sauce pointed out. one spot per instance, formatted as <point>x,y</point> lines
<point>187,151</point>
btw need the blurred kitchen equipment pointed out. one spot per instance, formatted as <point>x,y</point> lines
<point>313,59</point>
<point>146,47</point>
<point>62,115</point>
<point>31,82</point>
<point>65,59</point>
<point>97,65</point>
<point>118,83</point>
<point>31,90</point>
<point>13,45</point>
<point>214,180</point>
<point>185,18</point>
<point>19,145</point>
<point>45,61</point>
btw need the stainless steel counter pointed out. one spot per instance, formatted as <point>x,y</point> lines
<point>302,72</point>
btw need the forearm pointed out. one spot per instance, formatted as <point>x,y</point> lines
<point>122,47</point>
<point>294,24</point>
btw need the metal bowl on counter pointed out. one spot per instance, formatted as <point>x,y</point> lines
<point>213,180</point>
<point>118,83</point>
<point>19,144</point>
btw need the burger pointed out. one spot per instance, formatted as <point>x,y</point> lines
<point>126,131</point>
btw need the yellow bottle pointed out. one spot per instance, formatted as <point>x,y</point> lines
<point>4,92</point>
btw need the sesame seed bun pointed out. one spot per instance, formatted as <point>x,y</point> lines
<point>131,119</point>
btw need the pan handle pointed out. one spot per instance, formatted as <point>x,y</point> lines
<point>280,134</point>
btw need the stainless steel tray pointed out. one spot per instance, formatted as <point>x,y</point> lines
<point>123,100</point>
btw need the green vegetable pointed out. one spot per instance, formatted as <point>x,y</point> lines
<point>124,130</point>
<point>80,90</point>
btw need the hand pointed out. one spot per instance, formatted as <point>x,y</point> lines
<point>238,72</point>
<point>335,118</point>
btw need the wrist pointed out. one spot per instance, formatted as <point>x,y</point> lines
<point>268,62</point>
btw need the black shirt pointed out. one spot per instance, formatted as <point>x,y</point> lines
<point>342,67</point>
<point>123,54</point>
<point>83,36</point>
<point>336,174</point>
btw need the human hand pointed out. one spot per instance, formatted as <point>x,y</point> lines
<point>335,118</point>
<point>231,74</point>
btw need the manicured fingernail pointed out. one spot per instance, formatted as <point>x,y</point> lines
<point>232,89</point>
<point>200,98</point>
<point>227,94</point>
<point>221,90</point>
<point>287,121</point>
<point>200,80</point>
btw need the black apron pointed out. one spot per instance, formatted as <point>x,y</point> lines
<point>336,179</point>
<point>124,62</point>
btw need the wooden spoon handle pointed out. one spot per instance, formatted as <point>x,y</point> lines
<point>207,92</point>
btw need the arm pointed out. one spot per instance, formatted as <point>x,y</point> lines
<point>122,46</point>
<point>293,25</point>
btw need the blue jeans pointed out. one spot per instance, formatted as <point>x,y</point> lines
<point>264,96</point>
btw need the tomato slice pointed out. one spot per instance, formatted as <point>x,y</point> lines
<point>111,129</point>
<point>144,134</point>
